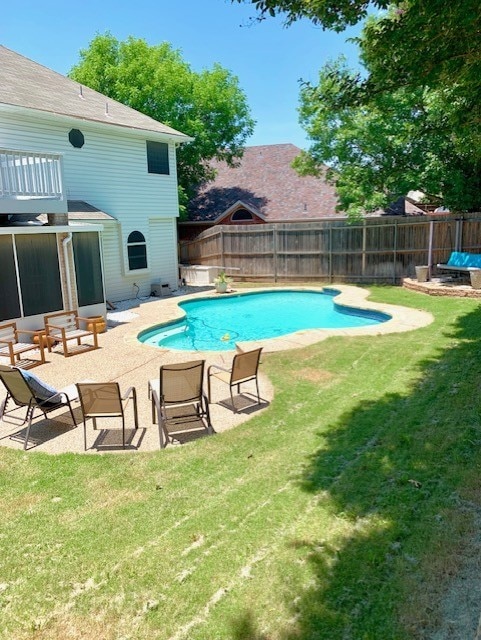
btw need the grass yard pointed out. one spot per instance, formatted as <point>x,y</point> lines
<point>341,513</point>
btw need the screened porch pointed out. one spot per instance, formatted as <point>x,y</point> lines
<point>44,270</point>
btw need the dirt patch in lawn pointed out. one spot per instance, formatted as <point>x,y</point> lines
<point>313,375</point>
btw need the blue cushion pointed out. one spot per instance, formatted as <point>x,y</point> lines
<point>474,260</point>
<point>42,390</point>
<point>464,259</point>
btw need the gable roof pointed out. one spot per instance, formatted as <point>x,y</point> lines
<point>265,181</point>
<point>24,83</point>
<point>403,206</point>
<point>238,205</point>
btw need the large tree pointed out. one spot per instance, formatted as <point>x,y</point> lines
<point>379,149</point>
<point>412,117</point>
<point>330,14</point>
<point>410,41</point>
<point>208,105</point>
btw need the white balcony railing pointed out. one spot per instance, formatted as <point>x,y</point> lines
<point>30,175</point>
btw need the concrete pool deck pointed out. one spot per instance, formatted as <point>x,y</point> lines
<point>122,358</point>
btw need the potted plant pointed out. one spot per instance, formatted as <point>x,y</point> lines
<point>222,282</point>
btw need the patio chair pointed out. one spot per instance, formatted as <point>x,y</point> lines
<point>64,326</point>
<point>179,401</point>
<point>244,368</point>
<point>26,390</point>
<point>12,347</point>
<point>104,400</point>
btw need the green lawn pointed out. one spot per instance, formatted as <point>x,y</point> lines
<point>338,514</point>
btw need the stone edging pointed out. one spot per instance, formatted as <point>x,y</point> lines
<point>440,288</point>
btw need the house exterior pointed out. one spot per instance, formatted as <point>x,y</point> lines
<point>262,188</point>
<point>99,181</point>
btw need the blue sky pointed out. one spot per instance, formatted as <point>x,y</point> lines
<point>267,58</point>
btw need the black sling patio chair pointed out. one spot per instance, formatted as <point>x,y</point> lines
<point>26,390</point>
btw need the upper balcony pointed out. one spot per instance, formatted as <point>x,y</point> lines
<point>31,182</point>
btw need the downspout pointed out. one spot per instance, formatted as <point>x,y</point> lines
<point>65,242</point>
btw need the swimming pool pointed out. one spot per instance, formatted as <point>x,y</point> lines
<point>216,324</point>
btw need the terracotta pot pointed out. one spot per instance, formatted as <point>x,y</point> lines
<point>99,321</point>
<point>41,336</point>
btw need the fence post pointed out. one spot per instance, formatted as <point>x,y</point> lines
<point>330,254</point>
<point>430,248</point>
<point>394,254</point>
<point>459,235</point>
<point>319,245</point>
<point>274,251</point>
<point>222,248</point>
<point>364,244</point>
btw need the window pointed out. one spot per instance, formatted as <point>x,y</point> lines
<point>158,157</point>
<point>88,269</point>
<point>137,251</point>
<point>9,302</point>
<point>39,273</point>
<point>241,214</point>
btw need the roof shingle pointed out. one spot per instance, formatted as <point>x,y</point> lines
<point>24,83</point>
<point>265,181</point>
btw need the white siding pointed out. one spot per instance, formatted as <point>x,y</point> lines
<point>110,172</point>
<point>163,252</point>
<point>162,260</point>
<point>117,287</point>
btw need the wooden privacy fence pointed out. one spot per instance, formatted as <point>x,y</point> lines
<point>374,250</point>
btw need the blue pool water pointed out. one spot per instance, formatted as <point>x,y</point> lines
<point>216,324</point>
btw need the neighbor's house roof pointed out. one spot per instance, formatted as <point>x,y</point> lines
<point>265,183</point>
<point>403,206</point>
<point>24,83</point>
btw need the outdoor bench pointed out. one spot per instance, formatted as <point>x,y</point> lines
<point>462,262</point>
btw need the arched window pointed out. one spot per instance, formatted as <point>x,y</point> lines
<point>137,251</point>
<point>242,214</point>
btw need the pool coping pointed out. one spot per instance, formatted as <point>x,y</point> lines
<point>402,318</point>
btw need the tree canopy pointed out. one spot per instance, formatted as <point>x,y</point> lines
<point>208,105</point>
<point>330,14</point>
<point>411,118</point>
<point>396,142</point>
<point>406,41</point>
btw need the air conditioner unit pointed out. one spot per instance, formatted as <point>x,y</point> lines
<point>160,289</point>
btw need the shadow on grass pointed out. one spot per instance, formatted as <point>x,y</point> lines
<point>245,629</point>
<point>398,472</point>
